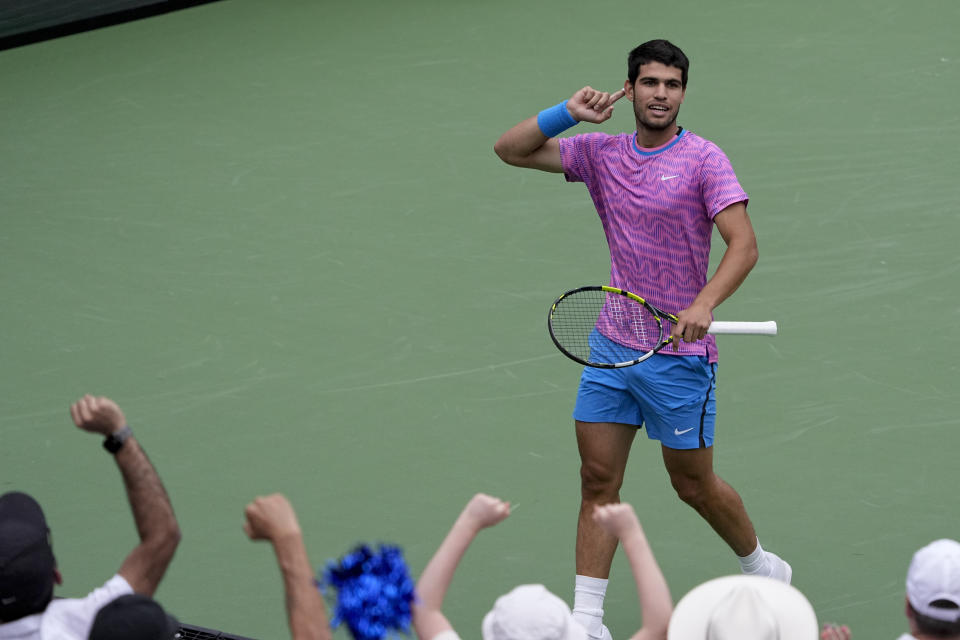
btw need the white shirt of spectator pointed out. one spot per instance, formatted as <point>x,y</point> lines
<point>66,618</point>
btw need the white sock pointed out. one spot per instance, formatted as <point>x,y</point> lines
<point>588,594</point>
<point>756,562</point>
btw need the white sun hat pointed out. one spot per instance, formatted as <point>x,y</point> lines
<point>744,608</point>
<point>531,612</point>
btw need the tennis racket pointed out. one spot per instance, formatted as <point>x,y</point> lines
<point>634,327</point>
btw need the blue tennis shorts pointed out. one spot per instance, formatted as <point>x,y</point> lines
<point>674,397</point>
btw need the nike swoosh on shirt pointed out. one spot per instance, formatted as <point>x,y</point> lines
<point>665,178</point>
<point>677,432</point>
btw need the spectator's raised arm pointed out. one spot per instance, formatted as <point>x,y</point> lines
<point>481,512</point>
<point>153,514</point>
<point>273,518</point>
<point>620,520</point>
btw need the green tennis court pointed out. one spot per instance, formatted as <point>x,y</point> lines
<point>276,234</point>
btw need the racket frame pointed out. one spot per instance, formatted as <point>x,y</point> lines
<point>658,314</point>
<point>768,328</point>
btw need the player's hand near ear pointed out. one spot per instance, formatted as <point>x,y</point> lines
<point>590,105</point>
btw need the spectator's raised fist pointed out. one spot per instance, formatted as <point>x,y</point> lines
<point>835,632</point>
<point>270,518</point>
<point>485,511</point>
<point>97,415</point>
<point>617,519</point>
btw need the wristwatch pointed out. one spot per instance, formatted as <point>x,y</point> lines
<point>115,440</point>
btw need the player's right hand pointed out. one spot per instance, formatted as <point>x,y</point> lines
<point>590,105</point>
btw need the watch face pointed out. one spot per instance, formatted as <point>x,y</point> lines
<point>115,440</point>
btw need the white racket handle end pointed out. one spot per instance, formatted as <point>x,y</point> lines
<point>768,328</point>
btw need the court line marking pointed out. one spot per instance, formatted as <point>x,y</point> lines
<point>439,376</point>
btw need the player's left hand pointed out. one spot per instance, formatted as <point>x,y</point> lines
<point>692,324</point>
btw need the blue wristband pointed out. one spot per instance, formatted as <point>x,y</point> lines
<point>555,120</point>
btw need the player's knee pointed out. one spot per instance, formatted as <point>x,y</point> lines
<point>599,482</point>
<point>691,489</point>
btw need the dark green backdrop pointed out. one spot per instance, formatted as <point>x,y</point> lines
<point>277,234</point>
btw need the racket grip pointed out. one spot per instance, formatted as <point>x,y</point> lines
<point>768,328</point>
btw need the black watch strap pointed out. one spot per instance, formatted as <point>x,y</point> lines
<point>115,440</point>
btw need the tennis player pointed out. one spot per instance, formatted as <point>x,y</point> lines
<point>659,191</point>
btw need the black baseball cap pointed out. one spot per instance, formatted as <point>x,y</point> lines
<point>134,617</point>
<point>27,564</point>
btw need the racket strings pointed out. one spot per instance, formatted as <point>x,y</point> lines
<point>639,318</point>
<point>630,326</point>
<point>629,322</point>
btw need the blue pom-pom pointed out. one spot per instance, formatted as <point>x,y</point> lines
<point>374,592</point>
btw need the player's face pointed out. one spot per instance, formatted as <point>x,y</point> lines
<point>656,95</point>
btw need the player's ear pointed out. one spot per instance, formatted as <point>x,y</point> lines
<point>628,89</point>
<point>683,94</point>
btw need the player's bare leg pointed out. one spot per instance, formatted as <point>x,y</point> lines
<point>692,476</point>
<point>691,473</point>
<point>604,448</point>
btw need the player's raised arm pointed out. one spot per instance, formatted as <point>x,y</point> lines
<point>532,143</point>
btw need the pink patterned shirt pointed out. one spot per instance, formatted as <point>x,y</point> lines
<point>657,208</point>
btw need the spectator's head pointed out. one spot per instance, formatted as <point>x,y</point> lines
<point>933,590</point>
<point>743,608</point>
<point>28,570</point>
<point>134,616</point>
<point>530,612</point>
